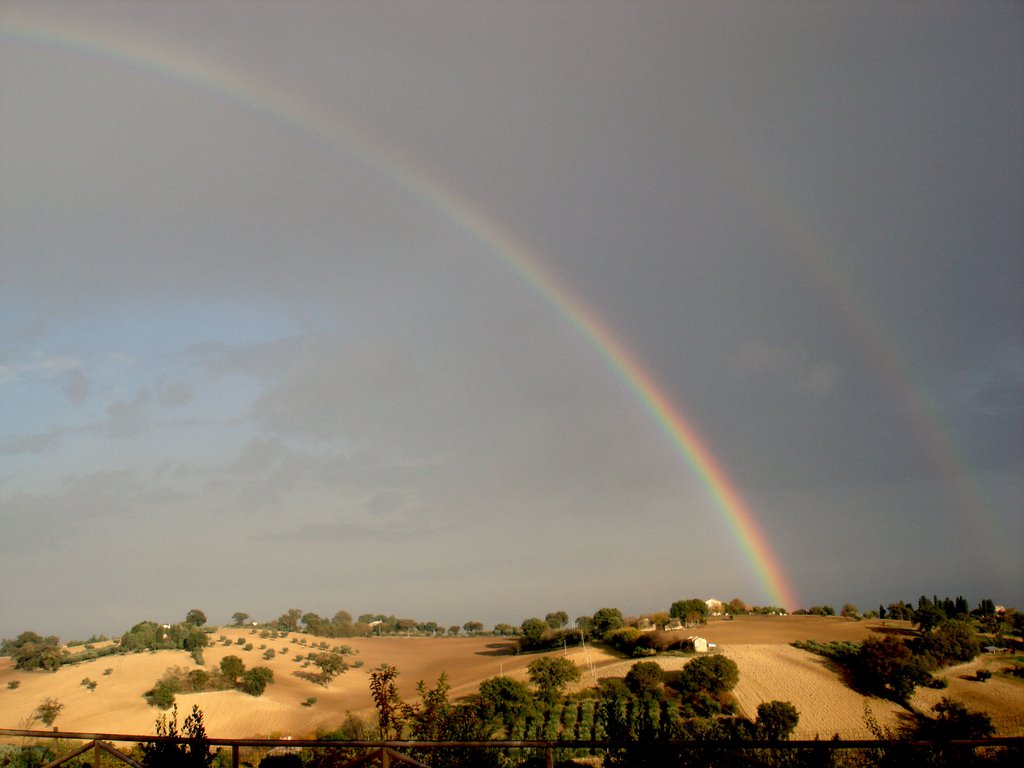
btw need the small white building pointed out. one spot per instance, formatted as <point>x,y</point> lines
<point>700,644</point>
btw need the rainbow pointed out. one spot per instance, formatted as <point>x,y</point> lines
<point>198,70</point>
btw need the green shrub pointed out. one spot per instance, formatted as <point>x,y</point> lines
<point>309,702</point>
<point>256,680</point>
<point>160,696</point>
<point>13,684</point>
<point>982,675</point>
<point>248,646</point>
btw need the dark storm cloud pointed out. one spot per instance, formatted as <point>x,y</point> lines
<point>225,300</point>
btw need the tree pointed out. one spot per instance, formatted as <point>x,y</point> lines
<point>605,620</point>
<point>472,627</point>
<point>849,611</point>
<point>644,678</point>
<point>232,668</point>
<point>928,616</point>
<point>239,618</point>
<point>315,624</point>
<point>289,621</point>
<point>776,720</point>
<point>331,665</point>
<point>256,680</point>
<point>196,640</point>
<point>951,641</point>
<point>735,607</point>
<point>887,667</point>
<point>557,619</point>
<point>195,617</point>
<point>48,710</point>
<point>533,630</point>
<point>551,675</point>
<point>714,674</point>
<point>454,630</point>
<point>691,610</point>
<point>31,651</point>
<point>193,753</point>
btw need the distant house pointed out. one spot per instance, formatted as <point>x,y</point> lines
<point>646,625</point>
<point>715,607</point>
<point>700,644</point>
<point>674,625</point>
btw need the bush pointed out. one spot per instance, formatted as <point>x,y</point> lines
<point>160,696</point>
<point>193,753</point>
<point>982,675</point>
<point>13,684</point>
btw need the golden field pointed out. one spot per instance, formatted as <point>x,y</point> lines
<point>769,669</point>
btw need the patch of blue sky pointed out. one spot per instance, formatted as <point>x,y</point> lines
<point>140,328</point>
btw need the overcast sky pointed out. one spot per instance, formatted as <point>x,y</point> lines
<point>269,336</point>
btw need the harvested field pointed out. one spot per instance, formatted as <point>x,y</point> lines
<point>117,704</point>
<point>827,706</point>
<point>1001,698</point>
<point>770,630</point>
<point>769,669</point>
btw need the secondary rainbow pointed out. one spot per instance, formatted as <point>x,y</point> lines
<point>196,69</point>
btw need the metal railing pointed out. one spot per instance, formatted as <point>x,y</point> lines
<point>390,751</point>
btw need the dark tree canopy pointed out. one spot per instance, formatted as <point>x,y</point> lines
<point>232,668</point>
<point>714,674</point>
<point>196,617</point>
<point>688,609</point>
<point>557,619</point>
<point>605,620</point>
<point>644,678</point>
<point>776,720</point>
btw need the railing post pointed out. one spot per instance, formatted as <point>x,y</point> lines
<point>385,758</point>
<point>549,756</point>
<point>234,756</point>
<point>96,752</point>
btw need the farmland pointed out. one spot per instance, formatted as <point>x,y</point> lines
<point>769,669</point>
